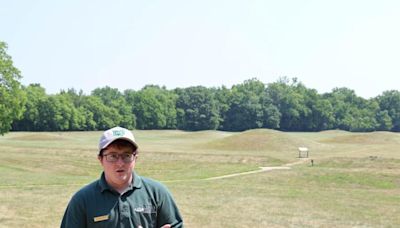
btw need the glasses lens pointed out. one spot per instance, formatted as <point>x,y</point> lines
<point>112,157</point>
<point>127,157</point>
<point>124,157</point>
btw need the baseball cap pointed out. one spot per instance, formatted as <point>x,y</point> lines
<point>115,133</point>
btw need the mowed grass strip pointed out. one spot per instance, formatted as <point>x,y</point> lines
<point>354,181</point>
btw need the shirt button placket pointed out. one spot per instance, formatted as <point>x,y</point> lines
<point>124,210</point>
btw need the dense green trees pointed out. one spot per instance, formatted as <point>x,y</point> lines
<point>285,104</point>
<point>290,99</point>
<point>154,107</point>
<point>115,105</point>
<point>353,113</point>
<point>31,117</point>
<point>245,110</point>
<point>196,109</point>
<point>389,115</point>
<point>12,97</point>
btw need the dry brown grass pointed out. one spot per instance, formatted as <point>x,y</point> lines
<point>355,180</point>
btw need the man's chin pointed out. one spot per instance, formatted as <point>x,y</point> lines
<point>122,175</point>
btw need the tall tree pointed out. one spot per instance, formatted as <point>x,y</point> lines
<point>245,107</point>
<point>72,105</point>
<point>271,113</point>
<point>222,95</point>
<point>384,121</point>
<point>154,107</point>
<point>12,97</point>
<point>352,113</point>
<point>83,119</point>
<point>30,119</point>
<point>55,113</point>
<point>98,115</point>
<point>317,113</point>
<point>196,109</point>
<point>289,98</point>
<point>389,101</point>
<point>114,99</point>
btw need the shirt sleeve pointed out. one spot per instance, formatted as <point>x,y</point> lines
<point>168,212</point>
<point>75,215</point>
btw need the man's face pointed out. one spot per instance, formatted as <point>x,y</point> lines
<point>118,165</point>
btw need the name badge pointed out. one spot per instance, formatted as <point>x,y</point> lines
<point>101,218</point>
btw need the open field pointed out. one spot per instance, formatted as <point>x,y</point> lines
<point>354,182</point>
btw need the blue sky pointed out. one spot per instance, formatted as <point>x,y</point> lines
<point>128,44</point>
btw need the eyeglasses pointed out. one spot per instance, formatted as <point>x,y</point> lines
<point>125,157</point>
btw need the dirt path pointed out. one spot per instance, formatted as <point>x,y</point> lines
<point>262,169</point>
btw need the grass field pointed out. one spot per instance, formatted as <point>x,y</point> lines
<point>354,182</point>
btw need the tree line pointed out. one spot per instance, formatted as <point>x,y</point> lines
<point>286,105</point>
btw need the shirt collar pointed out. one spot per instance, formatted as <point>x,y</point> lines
<point>137,181</point>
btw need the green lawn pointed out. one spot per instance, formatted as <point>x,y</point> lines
<point>354,182</point>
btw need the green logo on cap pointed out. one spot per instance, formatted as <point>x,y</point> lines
<point>118,133</point>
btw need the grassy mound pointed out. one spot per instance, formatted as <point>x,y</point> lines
<point>38,137</point>
<point>365,138</point>
<point>262,140</point>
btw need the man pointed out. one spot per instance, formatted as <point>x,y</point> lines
<point>121,198</point>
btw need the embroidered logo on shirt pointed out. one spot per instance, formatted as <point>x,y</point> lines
<point>145,209</point>
<point>101,218</point>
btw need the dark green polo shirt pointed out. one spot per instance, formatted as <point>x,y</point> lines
<point>146,203</point>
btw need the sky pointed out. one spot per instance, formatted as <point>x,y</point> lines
<point>127,44</point>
